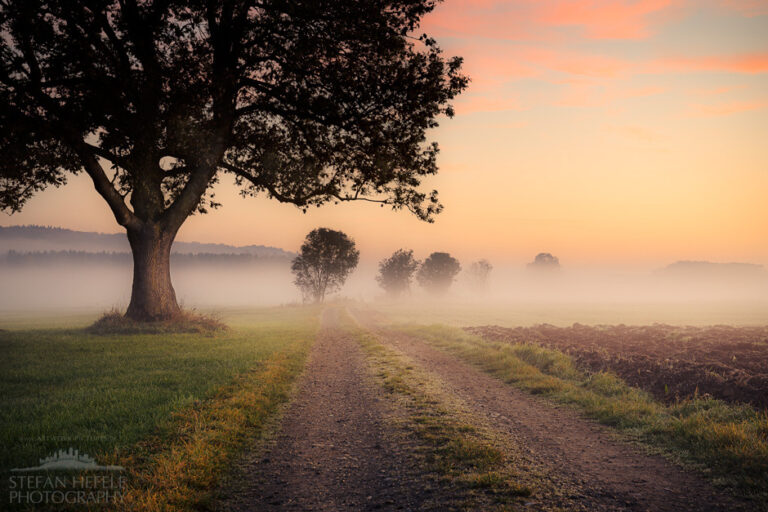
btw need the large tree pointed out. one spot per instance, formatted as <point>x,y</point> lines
<point>324,262</point>
<point>155,100</point>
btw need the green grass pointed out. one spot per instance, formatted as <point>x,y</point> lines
<point>115,396</point>
<point>729,443</point>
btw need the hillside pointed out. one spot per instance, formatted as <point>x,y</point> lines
<point>47,238</point>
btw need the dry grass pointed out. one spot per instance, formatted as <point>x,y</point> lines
<point>191,322</point>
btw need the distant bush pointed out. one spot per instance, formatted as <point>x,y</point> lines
<point>437,272</point>
<point>478,273</point>
<point>544,261</point>
<point>395,272</point>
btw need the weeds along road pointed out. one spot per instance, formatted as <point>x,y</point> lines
<point>383,421</point>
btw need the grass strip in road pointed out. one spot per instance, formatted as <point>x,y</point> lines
<point>465,453</point>
<point>728,443</point>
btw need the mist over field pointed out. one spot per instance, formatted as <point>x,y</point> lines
<point>562,296</point>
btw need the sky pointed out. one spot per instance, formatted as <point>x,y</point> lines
<point>628,132</point>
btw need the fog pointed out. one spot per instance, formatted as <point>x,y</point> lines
<point>217,286</point>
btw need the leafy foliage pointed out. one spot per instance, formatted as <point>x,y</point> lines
<point>395,272</point>
<point>325,260</point>
<point>438,271</point>
<point>308,102</point>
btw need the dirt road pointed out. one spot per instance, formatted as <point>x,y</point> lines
<point>585,458</point>
<point>335,450</point>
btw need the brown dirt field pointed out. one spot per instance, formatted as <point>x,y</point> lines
<point>672,363</point>
<point>598,472</point>
<point>335,450</point>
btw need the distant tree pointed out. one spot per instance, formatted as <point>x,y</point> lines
<point>478,274</point>
<point>437,272</point>
<point>395,272</point>
<point>544,261</point>
<point>307,102</point>
<point>325,260</point>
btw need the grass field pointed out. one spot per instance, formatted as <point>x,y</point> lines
<point>125,398</point>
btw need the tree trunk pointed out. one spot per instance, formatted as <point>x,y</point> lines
<point>152,295</point>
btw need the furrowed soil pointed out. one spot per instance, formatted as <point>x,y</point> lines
<point>672,363</point>
<point>593,470</point>
<point>335,449</point>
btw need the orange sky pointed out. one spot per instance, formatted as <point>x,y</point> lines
<point>631,132</point>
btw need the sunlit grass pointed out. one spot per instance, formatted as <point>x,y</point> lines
<point>728,442</point>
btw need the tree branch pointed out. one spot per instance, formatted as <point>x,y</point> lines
<point>104,187</point>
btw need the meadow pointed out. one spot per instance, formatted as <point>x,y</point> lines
<point>136,400</point>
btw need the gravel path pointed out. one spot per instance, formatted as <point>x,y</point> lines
<point>598,472</point>
<point>335,450</point>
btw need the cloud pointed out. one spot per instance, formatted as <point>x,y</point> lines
<point>486,103</point>
<point>739,63</point>
<point>604,19</point>
<point>544,20</point>
<point>749,8</point>
<point>725,108</point>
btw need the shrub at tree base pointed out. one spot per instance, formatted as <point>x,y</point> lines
<point>115,322</point>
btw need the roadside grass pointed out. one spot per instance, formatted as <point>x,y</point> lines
<point>466,453</point>
<point>173,409</point>
<point>728,443</point>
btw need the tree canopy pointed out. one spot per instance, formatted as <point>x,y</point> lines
<point>544,261</point>
<point>437,272</point>
<point>308,102</point>
<point>396,272</point>
<point>324,262</point>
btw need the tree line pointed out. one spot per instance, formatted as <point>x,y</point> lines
<point>13,257</point>
<point>327,257</point>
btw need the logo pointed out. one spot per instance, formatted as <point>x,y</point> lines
<point>66,477</point>
<point>69,460</point>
